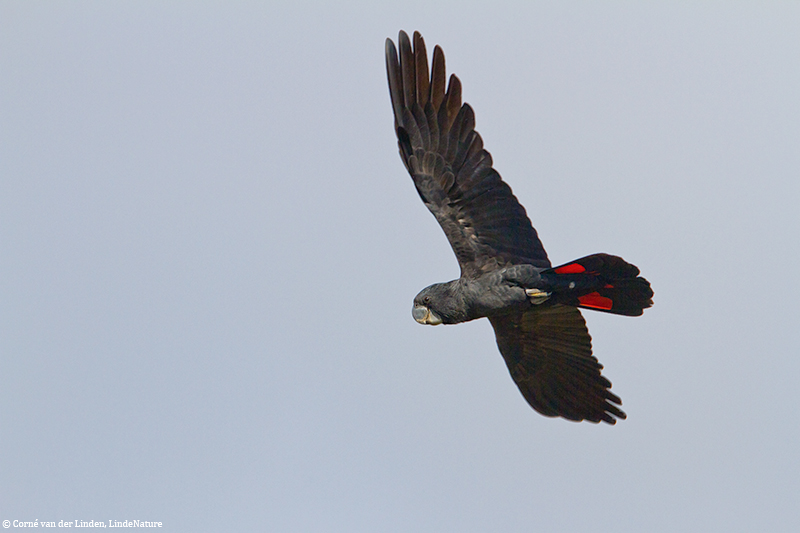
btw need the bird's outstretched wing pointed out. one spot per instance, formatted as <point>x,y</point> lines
<point>549,354</point>
<point>484,222</point>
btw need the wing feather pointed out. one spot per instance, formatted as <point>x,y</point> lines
<point>549,355</point>
<point>485,224</point>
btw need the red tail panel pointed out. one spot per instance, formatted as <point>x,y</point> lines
<point>595,301</point>
<point>572,268</point>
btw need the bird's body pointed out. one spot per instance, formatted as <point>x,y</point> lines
<point>505,273</point>
<point>463,299</point>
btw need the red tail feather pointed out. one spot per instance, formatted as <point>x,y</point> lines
<point>601,282</point>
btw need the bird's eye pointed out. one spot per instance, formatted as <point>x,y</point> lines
<point>426,300</point>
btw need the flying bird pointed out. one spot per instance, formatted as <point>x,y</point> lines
<point>505,273</point>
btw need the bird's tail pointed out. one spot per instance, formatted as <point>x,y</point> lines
<point>601,282</point>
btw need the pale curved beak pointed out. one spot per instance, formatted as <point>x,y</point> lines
<point>423,315</point>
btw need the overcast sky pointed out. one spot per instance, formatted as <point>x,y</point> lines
<point>209,249</point>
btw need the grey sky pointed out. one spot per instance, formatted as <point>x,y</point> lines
<point>209,249</point>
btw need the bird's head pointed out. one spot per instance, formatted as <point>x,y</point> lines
<point>438,304</point>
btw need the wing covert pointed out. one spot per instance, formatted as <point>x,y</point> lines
<point>485,224</point>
